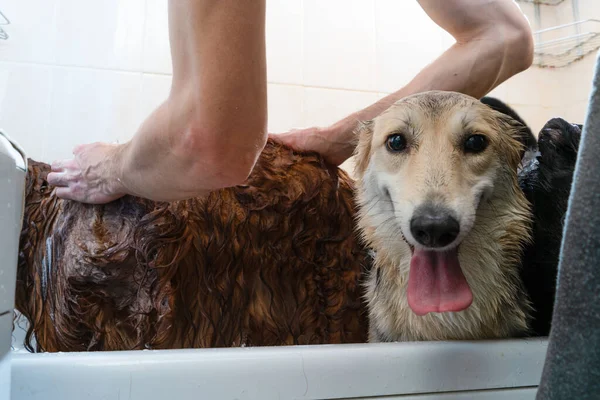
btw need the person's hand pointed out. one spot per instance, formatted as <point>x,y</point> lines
<point>333,147</point>
<point>90,176</point>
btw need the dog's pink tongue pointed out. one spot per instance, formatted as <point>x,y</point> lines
<point>436,283</point>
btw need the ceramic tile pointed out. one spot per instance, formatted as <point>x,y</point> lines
<point>575,113</point>
<point>89,106</point>
<point>323,107</point>
<point>339,44</point>
<point>534,116</point>
<point>285,105</point>
<point>157,49</point>
<point>284,41</point>
<point>407,40</point>
<point>31,31</point>
<point>155,90</point>
<point>535,87</point>
<point>25,105</point>
<point>576,80</point>
<point>103,34</point>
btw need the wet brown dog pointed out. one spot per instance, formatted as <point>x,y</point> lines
<point>274,262</point>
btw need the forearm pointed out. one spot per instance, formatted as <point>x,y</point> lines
<point>479,61</point>
<point>154,164</point>
<point>210,131</point>
<point>473,68</point>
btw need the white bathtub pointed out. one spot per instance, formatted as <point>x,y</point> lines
<point>508,369</point>
<point>12,179</point>
<point>489,370</point>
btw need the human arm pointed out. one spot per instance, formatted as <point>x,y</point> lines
<point>210,130</point>
<point>493,43</point>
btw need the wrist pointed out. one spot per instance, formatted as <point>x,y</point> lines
<point>343,134</point>
<point>118,185</point>
<point>336,142</point>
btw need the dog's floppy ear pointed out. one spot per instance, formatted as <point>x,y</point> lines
<point>363,136</point>
<point>524,133</point>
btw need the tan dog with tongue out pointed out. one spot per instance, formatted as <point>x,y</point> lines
<point>440,205</point>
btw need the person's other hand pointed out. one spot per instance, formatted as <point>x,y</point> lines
<point>89,177</point>
<point>331,146</point>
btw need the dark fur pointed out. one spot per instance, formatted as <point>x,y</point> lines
<point>273,262</point>
<point>545,178</point>
<point>529,140</point>
<point>546,181</point>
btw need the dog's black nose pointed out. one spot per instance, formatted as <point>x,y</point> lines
<point>434,227</point>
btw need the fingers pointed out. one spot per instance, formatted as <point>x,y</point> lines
<point>275,137</point>
<point>77,149</point>
<point>58,173</point>
<point>65,193</point>
<point>70,192</point>
<point>63,165</point>
<point>58,179</point>
<point>57,166</point>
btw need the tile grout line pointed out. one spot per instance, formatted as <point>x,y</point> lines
<point>84,67</point>
<point>153,73</point>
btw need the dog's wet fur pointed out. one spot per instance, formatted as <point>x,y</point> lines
<point>302,254</point>
<point>506,244</point>
<point>276,261</point>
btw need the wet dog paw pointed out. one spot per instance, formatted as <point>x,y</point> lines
<point>558,144</point>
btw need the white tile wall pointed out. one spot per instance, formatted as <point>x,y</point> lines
<point>285,107</point>
<point>104,34</point>
<point>76,71</point>
<point>339,44</point>
<point>155,90</point>
<point>25,91</point>
<point>576,85</point>
<point>90,105</point>
<point>323,107</point>
<point>407,40</point>
<point>536,116</point>
<point>32,31</point>
<point>157,50</point>
<point>575,113</point>
<point>284,41</point>
<point>536,86</point>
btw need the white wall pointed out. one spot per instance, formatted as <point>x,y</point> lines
<point>78,71</point>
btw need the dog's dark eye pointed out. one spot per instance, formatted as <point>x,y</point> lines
<point>476,144</point>
<point>396,142</point>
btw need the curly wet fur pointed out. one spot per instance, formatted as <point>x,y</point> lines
<point>272,262</point>
<point>504,257</point>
